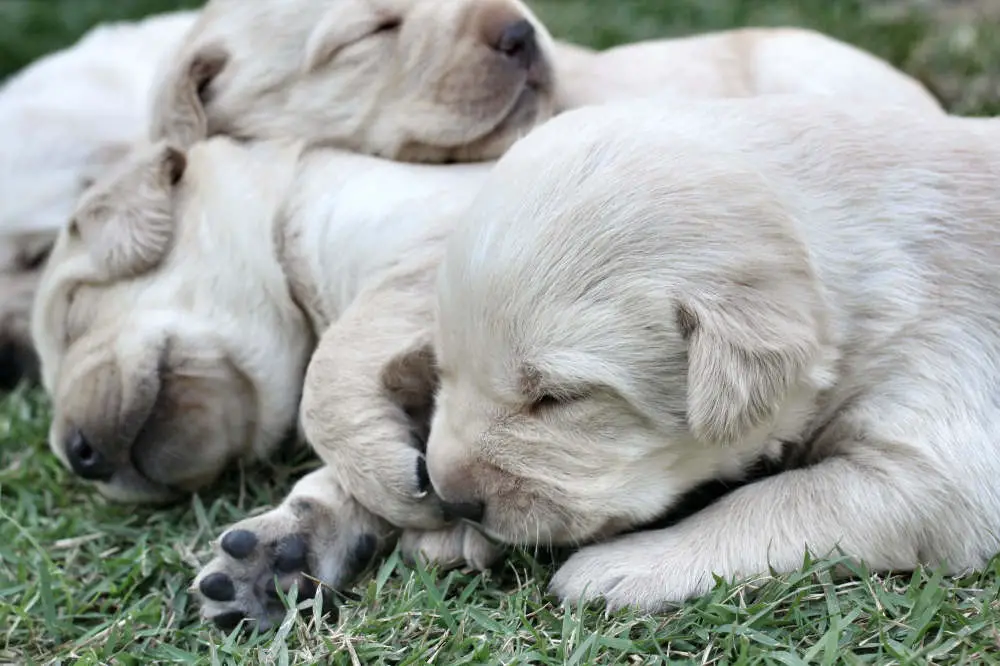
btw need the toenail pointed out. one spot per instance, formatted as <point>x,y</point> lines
<point>423,477</point>
<point>291,553</point>
<point>229,621</point>
<point>218,587</point>
<point>239,543</point>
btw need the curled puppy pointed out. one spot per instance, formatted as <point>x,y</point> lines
<point>744,62</point>
<point>64,119</point>
<point>413,80</point>
<point>645,297</point>
<point>175,321</point>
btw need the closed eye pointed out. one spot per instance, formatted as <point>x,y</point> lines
<point>549,401</point>
<point>388,25</point>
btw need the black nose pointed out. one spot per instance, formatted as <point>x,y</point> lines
<point>468,510</point>
<point>517,41</point>
<point>87,461</point>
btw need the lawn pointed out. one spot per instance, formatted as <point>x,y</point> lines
<point>85,582</point>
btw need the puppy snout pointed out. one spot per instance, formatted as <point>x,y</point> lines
<point>518,42</point>
<point>472,511</point>
<point>87,462</point>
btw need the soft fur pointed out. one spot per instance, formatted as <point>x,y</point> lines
<point>647,297</point>
<point>64,119</point>
<point>414,80</point>
<point>743,62</point>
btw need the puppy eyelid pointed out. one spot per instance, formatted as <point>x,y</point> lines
<point>388,24</point>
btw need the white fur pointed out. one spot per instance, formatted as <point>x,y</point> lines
<point>64,119</point>
<point>743,62</point>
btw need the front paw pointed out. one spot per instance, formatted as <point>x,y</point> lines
<point>631,572</point>
<point>299,544</point>
<point>459,546</point>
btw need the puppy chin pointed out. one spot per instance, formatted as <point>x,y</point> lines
<point>127,486</point>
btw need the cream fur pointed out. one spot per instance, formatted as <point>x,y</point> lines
<point>744,62</point>
<point>64,119</point>
<point>648,296</point>
<point>413,80</point>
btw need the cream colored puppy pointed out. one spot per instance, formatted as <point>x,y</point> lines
<point>647,297</point>
<point>63,119</point>
<point>413,80</point>
<point>743,62</point>
<point>175,321</point>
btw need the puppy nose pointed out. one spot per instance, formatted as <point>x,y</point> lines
<point>86,461</point>
<point>517,41</point>
<point>463,510</point>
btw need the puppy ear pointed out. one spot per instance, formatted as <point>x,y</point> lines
<point>127,222</point>
<point>748,345</point>
<point>178,113</point>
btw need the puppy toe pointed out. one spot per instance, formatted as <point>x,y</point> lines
<point>299,546</point>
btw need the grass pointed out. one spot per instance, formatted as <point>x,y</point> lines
<point>85,582</point>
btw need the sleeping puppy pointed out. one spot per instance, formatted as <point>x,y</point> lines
<point>743,62</point>
<point>411,80</point>
<point>63,119</point>
<point>648,296</point>
<point>175,320</point>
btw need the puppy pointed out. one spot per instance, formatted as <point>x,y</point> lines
<point>648,296</point>
<point>63,119</point>
<point>744,62</point>
<point>175,320</point>
<point>411,80</point>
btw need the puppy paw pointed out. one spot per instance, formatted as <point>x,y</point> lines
<point>635,572</point>
<point>454,547</point>
<point>313,541</point>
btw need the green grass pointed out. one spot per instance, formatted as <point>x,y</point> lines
<point>85,582</point>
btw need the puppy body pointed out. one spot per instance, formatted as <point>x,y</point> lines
<point>682,290</point>
<point>744,62</point>
<point>64,119</point>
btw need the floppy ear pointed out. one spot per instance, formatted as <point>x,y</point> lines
<point>178,113</point>
<point>345,23</point>
<point>127,222</point>
<point>747,347</point>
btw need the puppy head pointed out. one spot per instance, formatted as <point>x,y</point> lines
<point>413,80</point>
<point>154,330</point>
<point>623,315</point>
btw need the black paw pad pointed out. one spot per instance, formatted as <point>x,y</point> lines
<point>360,557</point>
<point>218,587</point>
<point>290,554</point>
<point>239,543</point>
<point>228,621</point>
<point>307,589</point>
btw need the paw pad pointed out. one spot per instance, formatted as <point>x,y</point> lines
<point>229,621</point>
<point>239,544</point>
<point>291,553</point>
<point>218,587</point>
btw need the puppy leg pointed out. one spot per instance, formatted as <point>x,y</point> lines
<point>366,406</point>
<point>317,535</point>
<point>876,508</point>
